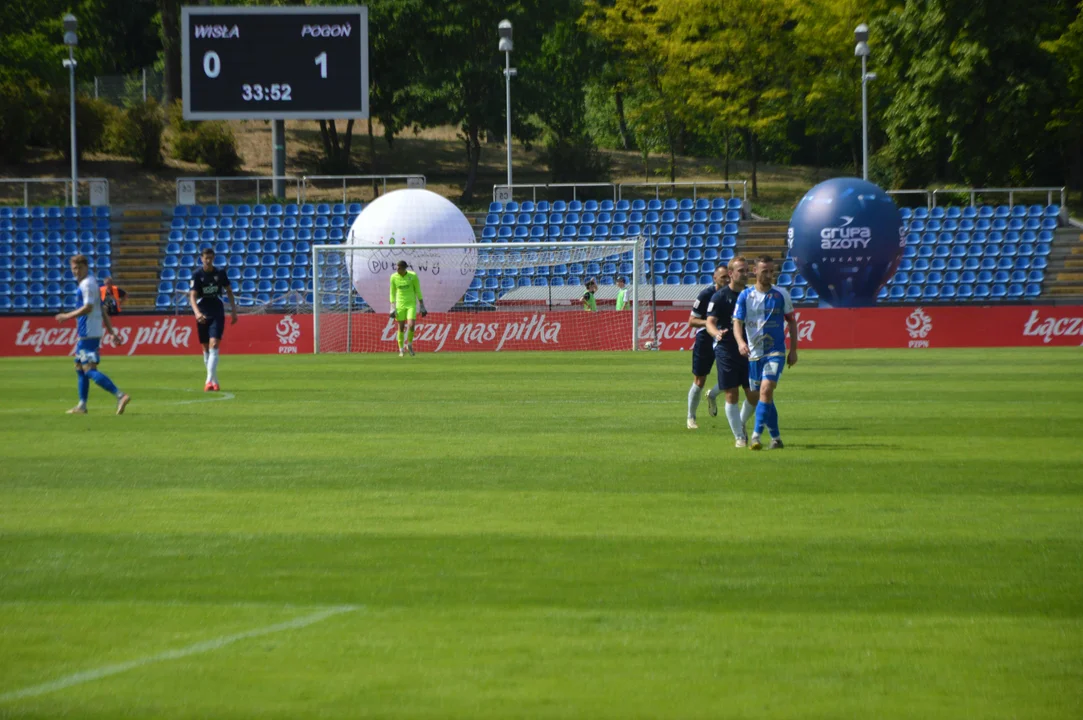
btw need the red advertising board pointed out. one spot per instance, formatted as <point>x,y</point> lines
<point>495,331</point>
<point>819,329</point>
<point>158,335</point>
<point>913,327</point>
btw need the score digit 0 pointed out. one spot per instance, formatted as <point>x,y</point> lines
<point>212,64</point>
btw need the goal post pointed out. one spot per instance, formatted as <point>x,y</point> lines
<point>485,296</point>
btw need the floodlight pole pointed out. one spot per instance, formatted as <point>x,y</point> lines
<point>71,39</point>
<point>504,28</point>
<point>861,35</point>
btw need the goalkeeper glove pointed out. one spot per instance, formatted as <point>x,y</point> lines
<point>392,314</point>
<point>424,312</point>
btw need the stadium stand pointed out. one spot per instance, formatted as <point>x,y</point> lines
<point>35,244</point>
<point>955,254</point>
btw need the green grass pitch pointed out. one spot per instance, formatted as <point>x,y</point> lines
<point>538,535</point>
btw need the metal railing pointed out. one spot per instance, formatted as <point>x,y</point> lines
<point>189,186</point>
<point>300,185</point>
<point>411,181</point>
<point>533,187</point>
<point>927,194</point>
<point>64,183</point>
<point>1011,192</point>
<point>731,185</point>
<point>120,90</point>
<point>247,304</point>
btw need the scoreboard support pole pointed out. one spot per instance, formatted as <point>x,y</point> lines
<point>278,157</point>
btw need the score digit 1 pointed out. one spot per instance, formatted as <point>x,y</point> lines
<point>321,60</point>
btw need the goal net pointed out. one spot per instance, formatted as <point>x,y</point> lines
<point>485,296</point>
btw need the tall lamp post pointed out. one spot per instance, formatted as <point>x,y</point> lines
<point>861,50</point>
<point>71,40</point>
<point>505,47</point>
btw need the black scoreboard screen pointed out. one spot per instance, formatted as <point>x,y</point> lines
<point>274,63</point>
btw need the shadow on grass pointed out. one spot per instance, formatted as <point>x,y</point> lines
<point>849,446</point>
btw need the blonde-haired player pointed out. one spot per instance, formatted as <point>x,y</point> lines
<point>90,321</point>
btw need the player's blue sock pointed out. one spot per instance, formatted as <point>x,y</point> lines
<point>103,381</point>
<point>772,420</point>
<point>84,386</point>
<point>761,417</point>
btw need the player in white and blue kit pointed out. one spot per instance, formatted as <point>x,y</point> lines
<point>90,319</point>
<point>703,347</point>
<point>763,314</point>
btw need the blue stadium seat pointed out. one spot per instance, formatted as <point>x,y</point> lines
<point>897,292</point>
<point>913,292</point>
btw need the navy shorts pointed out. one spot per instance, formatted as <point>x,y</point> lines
<point>732,368</point>
<point>702,354</point>
<point>213,328</point>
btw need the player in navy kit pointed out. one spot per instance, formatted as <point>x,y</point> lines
<point>205,297</point>
<point>702,350</point>
<point>732,365</point>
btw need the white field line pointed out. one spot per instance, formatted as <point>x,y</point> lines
<point>217,397</point>
<point>201,647</point>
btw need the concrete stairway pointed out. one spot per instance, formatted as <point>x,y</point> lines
<point>762,237</point>
<point>139,234</point>
<point>1064,276</point>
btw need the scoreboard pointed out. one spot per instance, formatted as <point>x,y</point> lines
<point>274,63</point>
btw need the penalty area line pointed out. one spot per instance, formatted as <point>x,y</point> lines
<point>201,647</point>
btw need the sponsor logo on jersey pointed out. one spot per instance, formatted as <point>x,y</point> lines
<point>217,32</point>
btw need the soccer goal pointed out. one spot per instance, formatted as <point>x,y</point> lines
<point>485,296</point>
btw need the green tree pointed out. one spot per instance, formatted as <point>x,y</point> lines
<point>459,79</point>
<point>827,80</point>
<point>737,59</point>
<point>1066,120</point>
<point>973,90</point>
<point>638,32</point>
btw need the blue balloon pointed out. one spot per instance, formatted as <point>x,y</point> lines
<point>847,238</point>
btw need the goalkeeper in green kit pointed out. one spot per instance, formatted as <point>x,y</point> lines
<point>405,300</point>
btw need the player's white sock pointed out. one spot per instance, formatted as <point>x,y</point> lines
<point>733,414</point>
<point>714,392</point>
<point>747,411</point>
<point>206,357</point>
<point>212,365</point>
<point>693,399</point>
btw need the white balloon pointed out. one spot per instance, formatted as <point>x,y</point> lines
<point>408,219</point>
